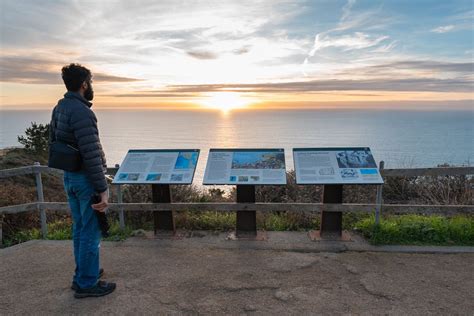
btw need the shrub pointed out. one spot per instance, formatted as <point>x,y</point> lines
<point>36,139</point>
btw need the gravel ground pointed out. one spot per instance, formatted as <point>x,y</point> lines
<point>156,277</point>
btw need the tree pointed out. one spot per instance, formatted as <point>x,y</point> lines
<point>36,139</point>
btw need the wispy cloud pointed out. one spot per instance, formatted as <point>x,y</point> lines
<point>456,22</point>
<point>434,66</point>
<point>346,9</point>
<point>202,54</point>
<point>105,78</point>
<point>242,50</point>
<point>384,49</point>
<point>443,29</point>
<point>318,86</point>
<point>154,95</point>
<point>358,40</point>
<point>37,70</point>
<point>353,32</point>
<point>165,41</point>
<point>145,49</point>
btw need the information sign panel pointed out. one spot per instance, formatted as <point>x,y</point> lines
<point>245,167</point>
<point>158,166</point>
<point>354,165</point>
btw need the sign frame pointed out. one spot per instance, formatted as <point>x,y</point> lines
<point>233,150</point>
<point>158,151</point>
<point>294,150</point>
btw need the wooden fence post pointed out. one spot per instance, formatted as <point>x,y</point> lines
<point>379,201</point>
<point>39,190</point>
<point>246,220</point>
<point>164,220</point>
<point>331,222</point>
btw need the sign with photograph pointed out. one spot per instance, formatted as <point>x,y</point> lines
<point>336,166</point>
<point>164,166</point>
<point>245,166</point>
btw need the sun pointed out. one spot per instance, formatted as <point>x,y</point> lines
<point>225,101</point>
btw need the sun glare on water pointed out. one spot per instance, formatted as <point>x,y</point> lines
<point>225,101</point>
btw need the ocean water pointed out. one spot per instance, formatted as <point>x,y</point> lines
<point>401,138</point>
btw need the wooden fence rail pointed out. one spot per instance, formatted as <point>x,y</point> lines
<point>263,207</point>
<point>42,206</point>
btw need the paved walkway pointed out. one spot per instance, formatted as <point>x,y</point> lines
<point>191,277</point>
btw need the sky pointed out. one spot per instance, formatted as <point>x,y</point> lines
<point>241,54</point>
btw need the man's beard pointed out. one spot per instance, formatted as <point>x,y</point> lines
<point>89,93</point>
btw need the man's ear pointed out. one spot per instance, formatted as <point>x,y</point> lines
<point>84,85</point>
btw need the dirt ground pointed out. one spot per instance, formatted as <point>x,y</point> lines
<point>155,277</point>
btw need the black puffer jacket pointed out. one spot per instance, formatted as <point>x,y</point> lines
<point>73,122</point>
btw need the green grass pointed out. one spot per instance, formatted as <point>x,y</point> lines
<point>287,221</point>
<point>226,221</point>
<point>22,236</point>
<point>62,230</point>
<point>117,234</point>
<point>418,230</point>
<point>393,230</point>
<point>215,221</point>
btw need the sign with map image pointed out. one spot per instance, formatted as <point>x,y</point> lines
<point>245,167</point>
<point>355,165</point>
<point>153,166</point>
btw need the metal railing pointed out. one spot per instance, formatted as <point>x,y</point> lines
<point>120,207</point>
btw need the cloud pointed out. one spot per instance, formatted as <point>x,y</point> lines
<point>385,48</point>
<point>443,29</point>
<point>316,86</point>
<point>154,95</point>
<point>243,50</point>
<point>202,54</point>
<point>365,18</point>
<point>358,40</point>
<point>346,10</point>
<point>31,23</point>
<point>434,66</point>
<point>37,70</point>
<point>457,22</point>
<point>102,78</point>
<point>233,41</point>
<point>167,34</point>
<point>353,38</point>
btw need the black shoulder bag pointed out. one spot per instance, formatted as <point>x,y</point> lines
<point>62,155</point>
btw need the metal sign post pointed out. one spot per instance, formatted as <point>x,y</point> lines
<point>163,220</point>
<point>246,220</point>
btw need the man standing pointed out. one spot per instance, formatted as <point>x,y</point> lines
<point>74,124</point>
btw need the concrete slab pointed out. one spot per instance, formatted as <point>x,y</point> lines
<point>209,275</point>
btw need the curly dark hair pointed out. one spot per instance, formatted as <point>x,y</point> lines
<point>74,75</point>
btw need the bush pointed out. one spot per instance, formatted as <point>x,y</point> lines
<point>36,139</point>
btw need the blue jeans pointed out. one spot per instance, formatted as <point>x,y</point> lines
<point>86,230</point>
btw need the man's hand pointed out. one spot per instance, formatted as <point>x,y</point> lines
<point>104,202</point>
